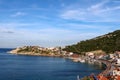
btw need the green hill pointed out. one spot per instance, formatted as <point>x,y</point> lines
<point>108,43</point>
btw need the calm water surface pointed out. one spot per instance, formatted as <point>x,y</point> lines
<point>16,67</point>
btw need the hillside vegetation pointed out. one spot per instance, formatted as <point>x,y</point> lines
<point>36,50</point>
<point>108,43</point>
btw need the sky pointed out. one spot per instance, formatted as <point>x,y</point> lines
<point>51,23</point>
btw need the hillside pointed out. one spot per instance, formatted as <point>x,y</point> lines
<point>109,43</point>
<point>36,50</point>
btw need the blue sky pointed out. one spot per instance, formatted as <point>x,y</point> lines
<point>51,23</point>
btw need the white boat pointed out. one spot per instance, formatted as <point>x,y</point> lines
<point>82,61</point>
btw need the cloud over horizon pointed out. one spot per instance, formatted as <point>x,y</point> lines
<point>56,23</point>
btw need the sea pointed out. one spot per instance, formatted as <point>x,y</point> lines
<point>21,67</point>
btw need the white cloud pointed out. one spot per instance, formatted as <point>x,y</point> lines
<point>18,14</point>
<point>73,14</point>
<point>98,5</point>
<point>82,26</point>
<point>46,36</point>
<point>6,31</point>
<point>20,25</point>
<point>95,13</point>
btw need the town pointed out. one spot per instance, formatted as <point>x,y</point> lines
<point>111,62</point>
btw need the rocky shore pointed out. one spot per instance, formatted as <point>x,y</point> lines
<point>37,51</point>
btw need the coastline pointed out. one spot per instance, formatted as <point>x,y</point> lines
<point>63,67</point>
<point>73,57</point>
<point>36,54</point>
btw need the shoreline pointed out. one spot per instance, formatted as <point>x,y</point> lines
<point>74,59</point>
<point>28,54</point>
<point>81,59</point>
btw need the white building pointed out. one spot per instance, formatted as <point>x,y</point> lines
<point>116,72</point>
<point>118,62</point>
<point>90,54</point>
<point>100,56</point>
<point>111,56</point>
<point>117,54</point>
<point>71,53</point>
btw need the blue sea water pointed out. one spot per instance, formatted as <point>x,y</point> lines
<point>17,67</point>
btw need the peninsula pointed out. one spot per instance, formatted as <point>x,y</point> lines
<point>38,51</point>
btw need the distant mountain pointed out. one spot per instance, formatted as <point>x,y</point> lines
<point>109,43</point>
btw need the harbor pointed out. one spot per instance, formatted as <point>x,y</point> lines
<point>110,63</point>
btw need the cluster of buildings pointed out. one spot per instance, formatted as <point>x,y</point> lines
<point>112,62</point>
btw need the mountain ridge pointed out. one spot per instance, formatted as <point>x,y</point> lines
<point>109,43</point>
